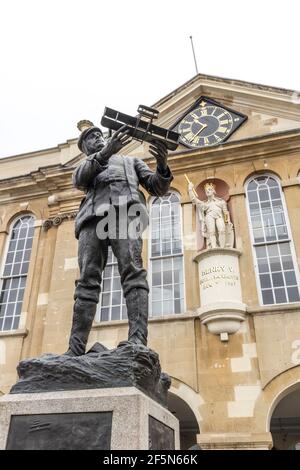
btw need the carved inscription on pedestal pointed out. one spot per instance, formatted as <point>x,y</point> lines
<point>60,431</point>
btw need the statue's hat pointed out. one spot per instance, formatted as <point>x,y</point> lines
<point>86,127</point>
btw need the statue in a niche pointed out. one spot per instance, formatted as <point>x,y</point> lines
<point>214,217</point>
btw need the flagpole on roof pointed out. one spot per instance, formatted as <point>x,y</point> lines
<point>191,38</point>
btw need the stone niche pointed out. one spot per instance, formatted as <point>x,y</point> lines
<point>221,307</point>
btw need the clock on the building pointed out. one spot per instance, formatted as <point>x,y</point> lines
<point>207,123</point>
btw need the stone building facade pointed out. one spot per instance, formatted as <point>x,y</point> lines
<point>225,324</point>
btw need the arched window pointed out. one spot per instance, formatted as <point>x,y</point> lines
<point>111,303</point>
<point>276,270</point>
<point>14,272</point>
<point>166,256</point>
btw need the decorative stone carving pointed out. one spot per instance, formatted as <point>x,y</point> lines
<point>222,309</point>
<point>57,220</point>
<point>214,218</point>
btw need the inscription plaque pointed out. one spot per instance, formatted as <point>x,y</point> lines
<point>161,436</point>
<point>60,431</point>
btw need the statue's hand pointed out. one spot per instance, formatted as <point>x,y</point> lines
<point>116,143</point>
<point>160,152</point>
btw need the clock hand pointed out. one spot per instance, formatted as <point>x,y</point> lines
<point>200,130</point>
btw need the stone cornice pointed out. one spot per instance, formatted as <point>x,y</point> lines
<point>51,179</point>
<point>279,144</point>
<point>42,152</point>
<point>40,183</point>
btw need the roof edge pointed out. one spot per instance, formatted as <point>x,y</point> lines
<point>232,81</point>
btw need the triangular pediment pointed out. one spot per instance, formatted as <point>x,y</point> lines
<point>269,110</point>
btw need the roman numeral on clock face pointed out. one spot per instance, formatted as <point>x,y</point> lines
<point>189,136</point>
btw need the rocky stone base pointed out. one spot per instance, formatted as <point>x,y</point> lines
<point>128,365</point>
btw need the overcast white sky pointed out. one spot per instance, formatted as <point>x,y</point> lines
<point>65,60</point>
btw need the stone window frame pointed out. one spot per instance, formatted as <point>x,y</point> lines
<point>21,278</point>
<point>170,256</point>
<point>279,243</point>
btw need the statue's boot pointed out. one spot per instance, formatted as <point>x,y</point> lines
<point>83,316</point>
<point>137,311</point>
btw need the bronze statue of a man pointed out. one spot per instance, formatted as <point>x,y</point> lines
<point>112,180</point>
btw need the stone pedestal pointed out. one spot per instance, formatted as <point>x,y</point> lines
<point>106,419</point>
<point>222,309</point>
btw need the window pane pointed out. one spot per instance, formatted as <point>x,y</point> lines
<point>167,271</point>
<point>156,293</point>
<point>267,296</point>
<point>265,281</point>
<point>8,323</point>
<point>16,269</point>
<point>177,291</point>
<point>116,284</point>
<point>178,270</point>
<point>275,264</point>
<point>293,294</point>
<point>18,308</point>
<point>167,293</point>
<point>252,196</point>
<point>263,195</point>
<point>16,321</point>
<point>168,307</point>
<point>277,279</point>
<point>256,222</point>
<point>273,250</point>
<point>287,262</point>
<point>116,298</point>
<point>178,306</point>
<point>104,314</point>
<point>156,309</point>
<point>106,285</point>
<point>12,295</point>
<point>105,300</point>
<point>124,312</point>
<point>258,236</point>
<point>275,193</point>
<point>263,266</point>
<point>280,296</point>
<point>285,248</point>
<point>7,270</point>
<point>271,182</point>
<point>290,278</point>
<point>107,272</point>
<point>10,257</point>
<point>20,244</point>
<point>282,232</point>
<point>116,313</point>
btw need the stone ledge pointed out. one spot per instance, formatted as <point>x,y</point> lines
<point>167,318</point>
<point>235,441</point>
<point>22,332</point>
<point>273,309</point>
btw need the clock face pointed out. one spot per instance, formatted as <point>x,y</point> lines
<point>208,124</point>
